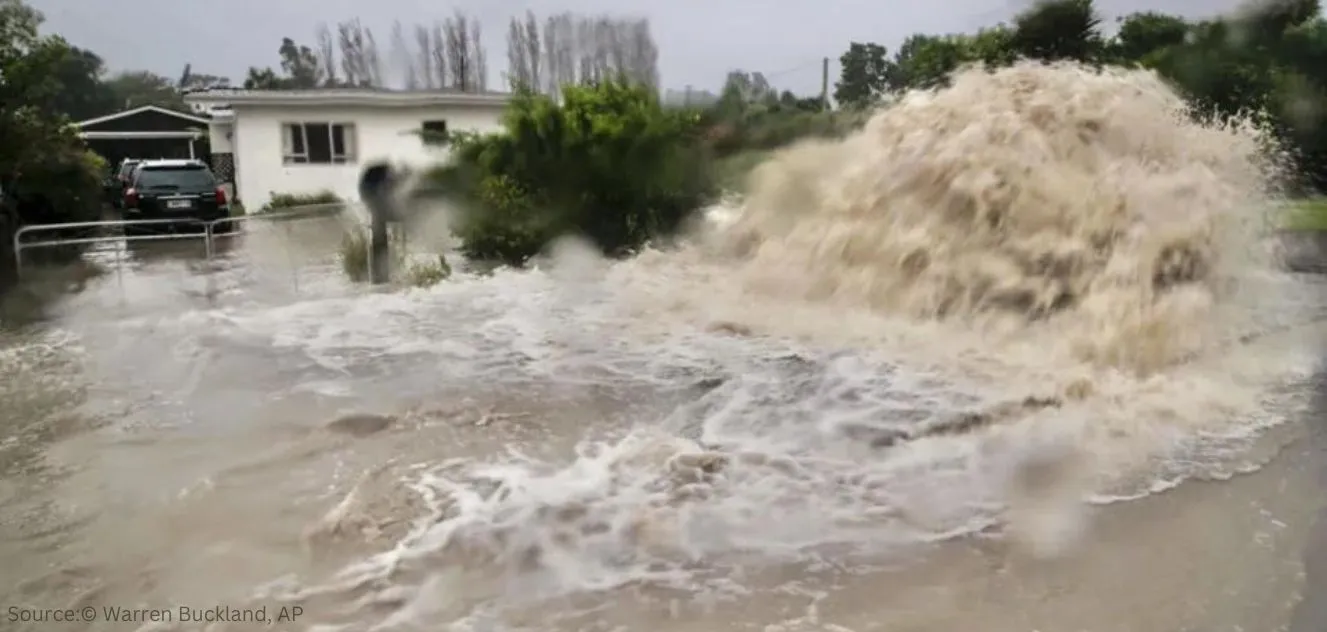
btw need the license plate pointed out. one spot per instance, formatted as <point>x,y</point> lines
<point>178,204</point>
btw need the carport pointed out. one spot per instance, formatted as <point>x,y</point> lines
<point>147,132</point>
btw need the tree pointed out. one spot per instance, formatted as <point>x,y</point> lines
<point>1143,34</point>
<point>533,51</point>
<point>263,79</point>
<point>1059,29</point>
<point>301,69</point>
<point>83,94</point>
<point>559,52</point>
<point>607,162</point>
<point>1265,60</point>
<point>518,57</point>
<point>742,89</point>
<point>140,87</point>
<point>574,49</point>
<point>864,75</point>
<point>190,79</point>
<point>404,58</point>
<point>438,55</point>
<point>47,173</point>
<point>480,57</point>
<point>327,56</point>
<point>301,65</point>
<point>360,63</point>
<point>460,56</point>
<point>425,61</point>
<point>926,61</point>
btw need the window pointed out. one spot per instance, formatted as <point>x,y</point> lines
<point>434,133</point>
<point>127,169</point>
<point>318,143</point>
<point>177,177</point>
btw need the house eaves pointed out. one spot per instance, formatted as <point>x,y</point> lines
<point>348,97</point>
<point>140,110</point>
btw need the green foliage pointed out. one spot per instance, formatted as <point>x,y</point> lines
<point>288,201</point>
<point>608,163</point>
<point>47,174</point>
<point>926,61</point>
<point>416,272</point>
<point>752,117</point>
<point>1266,59</point>
<point>354,256</point>
<point>137,88</point>
<point>427,273</point>
<point>1307,215</point>
<point>1059,30</point>
<point>866,74</point>
<point>1142,34</point>
<point>300,67</point>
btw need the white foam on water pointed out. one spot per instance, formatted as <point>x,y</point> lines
<point>994,306</point>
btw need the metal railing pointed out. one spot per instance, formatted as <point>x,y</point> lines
<point>208,233</point>
<point>20,245</point>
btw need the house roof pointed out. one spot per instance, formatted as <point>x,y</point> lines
<point>347,97</point>
<point>140,110</point>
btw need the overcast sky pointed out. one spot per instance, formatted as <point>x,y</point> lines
<point>699,40</point>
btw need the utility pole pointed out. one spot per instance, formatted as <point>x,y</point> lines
<point>824,85</point>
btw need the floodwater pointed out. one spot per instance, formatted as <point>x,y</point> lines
<point>778,428</point>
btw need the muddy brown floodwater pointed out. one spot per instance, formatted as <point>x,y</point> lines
<point>1015,357</point>
<point>503,451</point>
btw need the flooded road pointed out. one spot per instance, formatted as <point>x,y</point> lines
<point>248,433</point>
<point>916,380</point>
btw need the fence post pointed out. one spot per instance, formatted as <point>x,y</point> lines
<point>376,186</point>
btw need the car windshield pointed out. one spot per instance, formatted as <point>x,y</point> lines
<point>182,177</point>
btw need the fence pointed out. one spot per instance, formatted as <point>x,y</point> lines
<point>207,231</point>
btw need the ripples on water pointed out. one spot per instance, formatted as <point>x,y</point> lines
<point>777,431</point>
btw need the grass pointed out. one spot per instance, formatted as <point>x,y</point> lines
<point>1306,215</point>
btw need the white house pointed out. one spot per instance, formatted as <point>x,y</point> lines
<point>265,142</point>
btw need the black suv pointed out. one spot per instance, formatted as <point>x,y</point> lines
<point>173,189</point>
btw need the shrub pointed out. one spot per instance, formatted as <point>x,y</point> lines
<point>60,185</point>
<point>354,257</point>
<point>427,273</point>
<point>609,164</point>
<point>285,201</point>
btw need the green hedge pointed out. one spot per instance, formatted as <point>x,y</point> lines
<point>608,163</point>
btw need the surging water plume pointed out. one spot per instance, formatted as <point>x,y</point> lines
<point>1085,205</point>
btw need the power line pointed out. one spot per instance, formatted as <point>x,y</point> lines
<point>810,64</point>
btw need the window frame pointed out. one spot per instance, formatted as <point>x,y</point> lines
<point>349,137</point>
<point>426,134</point>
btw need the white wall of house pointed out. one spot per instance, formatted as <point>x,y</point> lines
<point>380,132</point>
<point>219,135</point>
